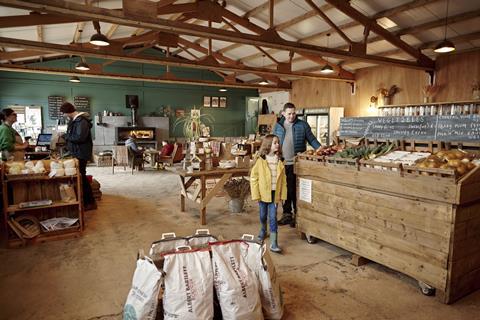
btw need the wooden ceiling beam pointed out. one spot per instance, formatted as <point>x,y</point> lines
<point>112,16</point>
<point>113,55</point>
<point>112,30</point>
<point>347,9</point>
<point>21,54</point>
<point>328,21</point>
<point>104,75</point>
<point>35,19</point>
<point>385,13</point>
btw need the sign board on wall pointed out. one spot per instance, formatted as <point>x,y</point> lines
<point>54,104</point>
<point>82,104</point>
<point>440,127</point>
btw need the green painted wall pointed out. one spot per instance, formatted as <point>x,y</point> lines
<point>106,94</point>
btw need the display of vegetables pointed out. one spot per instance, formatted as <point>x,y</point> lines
<point>458,160</point>
<point>365,152</point>
<point>325,151</point>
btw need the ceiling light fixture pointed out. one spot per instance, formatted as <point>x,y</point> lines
<point>327,68</point>
<point>98,38</point>
<point>74,79</point>
<point>263,82</point>
<point>445,46</point>
<point>222,89</point>
<point>82,65</point>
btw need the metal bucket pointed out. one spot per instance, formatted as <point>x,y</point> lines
<point>236,205</point>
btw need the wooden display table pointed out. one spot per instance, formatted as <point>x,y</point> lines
<point>200,194</point>
<point>427,227</point>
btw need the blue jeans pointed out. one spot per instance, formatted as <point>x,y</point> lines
<point>268,209</point>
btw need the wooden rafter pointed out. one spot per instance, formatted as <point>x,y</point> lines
<point>328,21</point>
<point>386,13</point>
<point>113,16</point>
<point>347,9</point>
<point>104,75</point>
<point>35,19</point>
<point>113,55</point>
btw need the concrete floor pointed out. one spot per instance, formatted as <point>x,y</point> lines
<point>89,277</point>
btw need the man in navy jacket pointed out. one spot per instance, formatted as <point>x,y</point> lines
<point>294,135</point>
<point>79,144</point>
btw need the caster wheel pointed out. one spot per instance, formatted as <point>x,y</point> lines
<point>426,289</point>
<point>311,239</point>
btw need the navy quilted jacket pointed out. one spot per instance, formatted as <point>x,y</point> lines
<point>301,134</point>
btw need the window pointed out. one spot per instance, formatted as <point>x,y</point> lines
<point>29,120</point>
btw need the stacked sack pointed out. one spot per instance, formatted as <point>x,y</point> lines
<point>239,272</point>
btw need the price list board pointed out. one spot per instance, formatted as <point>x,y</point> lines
<point>54,104</point>
<point>82,104</point>
<point>444,128</point>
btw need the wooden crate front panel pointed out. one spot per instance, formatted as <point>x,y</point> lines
<point>410,236</point>
<point>464,265</point>
<point>424,187</point>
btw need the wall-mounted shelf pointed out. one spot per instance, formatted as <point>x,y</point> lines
<point>431,108</point>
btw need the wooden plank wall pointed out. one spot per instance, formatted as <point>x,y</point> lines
<point>410,236</point>
<point>310,93</point>
<point>455,74</point>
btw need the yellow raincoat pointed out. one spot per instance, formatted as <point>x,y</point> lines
<point>261,182</point>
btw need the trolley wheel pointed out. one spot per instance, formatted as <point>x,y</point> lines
<point>426,289</point>
<point>310,239</point>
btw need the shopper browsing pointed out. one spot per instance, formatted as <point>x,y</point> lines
<point>293,134</point>
<point>268,186</point>
<point>79,144</point>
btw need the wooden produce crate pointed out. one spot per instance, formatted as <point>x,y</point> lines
<point>425,226</point>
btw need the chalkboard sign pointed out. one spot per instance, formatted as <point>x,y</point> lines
<point>462,127</point>
<point>54,104</point>
<point>444,128</point>
<point>82,104</point>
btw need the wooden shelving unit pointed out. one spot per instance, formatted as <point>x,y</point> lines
<point>431,108</point>
<point>22,188</point>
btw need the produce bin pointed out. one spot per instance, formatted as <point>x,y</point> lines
<point>425,226</point>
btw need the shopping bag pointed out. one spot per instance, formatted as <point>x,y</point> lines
<point>188,285</point>
<point>235,284</point>
<point>142,299</point>
<point>259,261</point>
<point>201,239</point>
<point>166,244</point>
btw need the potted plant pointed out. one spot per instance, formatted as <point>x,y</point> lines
<point>388,94</point>
<point>192,124</point>
<point>237,190</point>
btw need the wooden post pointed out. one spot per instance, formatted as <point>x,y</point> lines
<point>182,196</point>
<point>359,260</point>
<point>203,211</point>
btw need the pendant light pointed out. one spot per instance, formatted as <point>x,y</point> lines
<point>74,79</point>
<point>445,46</point>
<point>263,82</point>
<point>98,38</point>
<point>222,89</point>
<point>82,65</point>
<point>327,68</point>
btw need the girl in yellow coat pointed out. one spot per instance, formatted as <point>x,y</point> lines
<point>268,184</point>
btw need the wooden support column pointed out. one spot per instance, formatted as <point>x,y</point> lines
<point>272,5</point>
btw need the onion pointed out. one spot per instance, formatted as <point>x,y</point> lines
<point>454,163</point>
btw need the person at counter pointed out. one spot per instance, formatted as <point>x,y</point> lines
<point>10,139</point>
<point>80,145</point>
<point>294,135</point>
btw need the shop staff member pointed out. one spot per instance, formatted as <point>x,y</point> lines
<point>79,144</point>
<point>293,134</point>
<point>10,139</point>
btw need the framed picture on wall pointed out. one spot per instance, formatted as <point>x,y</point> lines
<point>223,102</point>
<point>179,113</point>
<point>214,102</point>
<point>206,102</point>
